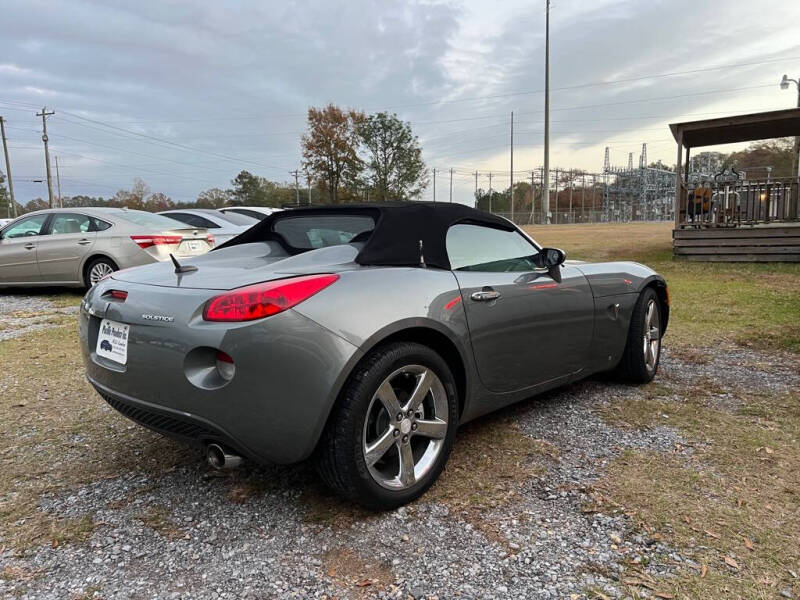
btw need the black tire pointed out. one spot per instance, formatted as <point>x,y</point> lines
<point>634,366</point>
<point>95,264</point>
<point>340,456</point>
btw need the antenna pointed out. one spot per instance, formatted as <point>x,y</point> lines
<point>421,256</point>
<point>179,268</point>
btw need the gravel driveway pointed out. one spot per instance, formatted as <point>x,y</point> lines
<point>253,533</point>
<point>22,313</point>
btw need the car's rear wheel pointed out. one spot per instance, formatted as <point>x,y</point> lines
<point>392,429</point>
<point>97,269</point>
<point>642,352</point>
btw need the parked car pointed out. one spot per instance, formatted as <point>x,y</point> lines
<point>79,246</point>
<point>222,226</point>
<point>362,336</point>
<point>256,212</point>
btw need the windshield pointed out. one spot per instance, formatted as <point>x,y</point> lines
<point>146,219</point>
<point>319,231</point>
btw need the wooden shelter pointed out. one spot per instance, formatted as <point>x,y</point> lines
<point>730,217</point>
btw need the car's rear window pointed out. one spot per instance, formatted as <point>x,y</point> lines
<point>146,219</point>
<point>232,217</point>
<point>319,231</point>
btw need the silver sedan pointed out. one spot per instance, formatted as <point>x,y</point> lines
<point>77,247</point>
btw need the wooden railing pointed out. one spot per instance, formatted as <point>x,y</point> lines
<point>741,203</point>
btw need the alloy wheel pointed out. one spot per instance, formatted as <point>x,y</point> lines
<point>652,338</point>
<point>405,427</point>
<point>98,271</point>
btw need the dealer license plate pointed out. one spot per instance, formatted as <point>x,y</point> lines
<point>112,341</point>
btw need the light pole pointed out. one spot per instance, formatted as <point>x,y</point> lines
<point>785,86</point>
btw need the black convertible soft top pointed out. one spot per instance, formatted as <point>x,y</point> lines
<point>399,229</point>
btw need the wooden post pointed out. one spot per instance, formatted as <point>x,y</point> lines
<point>678,183</point>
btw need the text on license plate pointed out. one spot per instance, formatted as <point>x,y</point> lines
<point>112,341</point>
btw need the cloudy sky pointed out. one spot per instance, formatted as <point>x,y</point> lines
<point>186,94</point>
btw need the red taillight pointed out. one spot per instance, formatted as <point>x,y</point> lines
<point>119,294</point>
<point>265,299</point>
<point>145,241</point>
<point>210,240</point>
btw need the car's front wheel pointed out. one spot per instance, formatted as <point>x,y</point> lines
<point>392,430</point>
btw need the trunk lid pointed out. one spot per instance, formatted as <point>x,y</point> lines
<point>241,265</point>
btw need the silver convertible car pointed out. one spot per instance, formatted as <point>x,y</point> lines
<point>361,337</point>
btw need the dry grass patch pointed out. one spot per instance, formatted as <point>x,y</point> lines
<point>58,434</point>
<point>158,519</point>
<point>733,506</point>
<point>364,578</point>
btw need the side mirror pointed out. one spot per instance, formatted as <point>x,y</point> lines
<point>551,259</point>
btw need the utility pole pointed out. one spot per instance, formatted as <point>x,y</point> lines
<point>476,189</point>
<point>532,219</point>
<point>490,191</point>
<point>44,114</point>
<point>12,207</point>
<point>546,190</point>
<point>296,186</point>
<point>308,182</point>
<point>451,185</point>
<point>512,166</point>
<point>434,184</point>
<point>58,182</point>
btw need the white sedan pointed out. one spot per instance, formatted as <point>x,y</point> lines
<point>222,226</point>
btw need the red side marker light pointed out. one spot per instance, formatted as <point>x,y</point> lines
<point>265,299</point>
<point>118,294</point>
<point>453,303</point>
<point>627,281</point>
<point>543,286</point>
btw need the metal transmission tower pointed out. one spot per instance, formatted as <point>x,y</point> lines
<point>646,193</point>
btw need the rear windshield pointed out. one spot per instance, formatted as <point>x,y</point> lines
<point>146,219</point>
<point>232,217</point>
<point>319,231</point>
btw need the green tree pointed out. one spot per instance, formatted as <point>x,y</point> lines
<point>253,190</point>
<point>330,147</point>
<point>213,198</point>
<point>395,169</point>
<point>5,198</point>
<point>158,202</point>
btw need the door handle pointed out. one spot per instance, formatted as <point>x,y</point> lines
<point>30,246</point>
<point>84,242</point>
<point>485,295</point>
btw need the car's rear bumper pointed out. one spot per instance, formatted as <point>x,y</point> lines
<point>289,370</point>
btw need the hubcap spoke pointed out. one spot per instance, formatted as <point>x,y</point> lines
<point>389,399</point>
<point>423,387</point>
<point>376,451</point>
<point>653,333</point>
<point>406,476</point>
<point>436,429</point>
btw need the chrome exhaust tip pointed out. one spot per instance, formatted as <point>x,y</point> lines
<point>219,458</point>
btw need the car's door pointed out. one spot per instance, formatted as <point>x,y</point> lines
<point>69,237</point>
<point>18,248</point>
<point>525,327</point>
